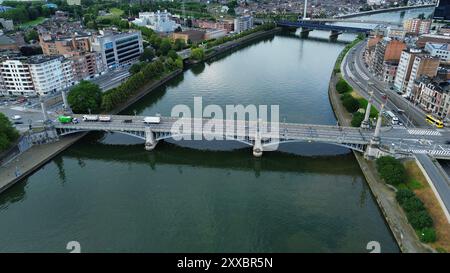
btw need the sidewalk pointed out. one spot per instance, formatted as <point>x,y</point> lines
<point>32,159</point>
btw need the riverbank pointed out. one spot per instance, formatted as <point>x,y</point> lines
<point>402,231</point>
<point>37,156</point>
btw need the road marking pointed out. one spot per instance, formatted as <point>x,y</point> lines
<point>424,132</point>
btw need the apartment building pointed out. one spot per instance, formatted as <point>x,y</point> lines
<point>243,23</point>
<point>423,65</point>
<point>404,68</point>
<point>118,49</point>
<point>227,25</point>
<point>16,78</point>
<point>433,96</point>
<point>39,74</point>
<point>417,26</point>
<point>386,55</point>
<point>77,47</point>
<point>50,73</point>
<point>432,38</point>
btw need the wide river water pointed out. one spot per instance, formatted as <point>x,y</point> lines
<point>109,194</point>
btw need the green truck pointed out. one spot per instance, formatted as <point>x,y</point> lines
<point>65,119</point>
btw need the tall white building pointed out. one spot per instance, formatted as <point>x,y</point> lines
<point>49,74</point>
<point>16,78</point>
<point>36,75</point>
<point>243,23</point>
<point>158,21</point>
<point>404,69</point>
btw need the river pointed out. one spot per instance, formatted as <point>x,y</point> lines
<point>109,194</point>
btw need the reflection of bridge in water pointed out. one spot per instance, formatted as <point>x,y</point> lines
<point>265,136</point>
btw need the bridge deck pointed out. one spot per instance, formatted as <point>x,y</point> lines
<point>430,141</point>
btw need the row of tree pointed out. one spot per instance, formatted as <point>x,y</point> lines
<point>393,172</point>
<point>148,73</point>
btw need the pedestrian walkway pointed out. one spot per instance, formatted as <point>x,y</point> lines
<point>424,132</point>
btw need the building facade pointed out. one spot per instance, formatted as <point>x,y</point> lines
<point>404,68</point>
<point>441,51</point>
<point>36,75</point>
<point>243,23</point>
<point>417,26</point>
<point>423,65</point>
<point>118,49</point>
<point>158,21</point>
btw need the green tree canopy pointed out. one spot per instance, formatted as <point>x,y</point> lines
<point>8,133</point>
<point>85,96</point>
<point>391,170</point>
<point>197,54</point>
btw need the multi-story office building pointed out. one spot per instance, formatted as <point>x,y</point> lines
<point>404,68</point>
<point>441,51</point>
<point>158,21</point>
<point>417,26</point>
<point>243,23</point>
<point>118,49</point>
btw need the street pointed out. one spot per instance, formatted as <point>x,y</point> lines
<point>357,74</point>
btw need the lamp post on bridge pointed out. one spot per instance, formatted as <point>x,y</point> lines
<point>365,124</point>
<point>373,148</point>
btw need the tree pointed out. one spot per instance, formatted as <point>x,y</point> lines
<point>403,195</point>
<point>420,220</point>
<point>172,54</point>
<point>147,55</point>
<point>427,235</point>
<point>135,68</point>
<point>165,46</point>
<point>197,54</point>
<point>357,118</point>
<point>351,104</point>
<point>31,35</point>
<point>342,86</point>
<point>85,97</point>
<point>179,44</point>
<point>391,170</point>
<point>8,133</point>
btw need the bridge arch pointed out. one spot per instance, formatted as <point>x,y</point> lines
<point>356,147</point>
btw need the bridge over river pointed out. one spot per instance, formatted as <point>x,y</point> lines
<point>266,136</point>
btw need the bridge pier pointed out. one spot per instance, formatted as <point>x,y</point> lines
<point>150,141</point>
<point>334,35</point>
<point>304,32</point>
<point>257,147</point>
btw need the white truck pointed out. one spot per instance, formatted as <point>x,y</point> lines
<point>90,118</point>
<point>152,120</point>
<point>104,118</point>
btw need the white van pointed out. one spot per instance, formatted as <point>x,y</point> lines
<point>153,120</point>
